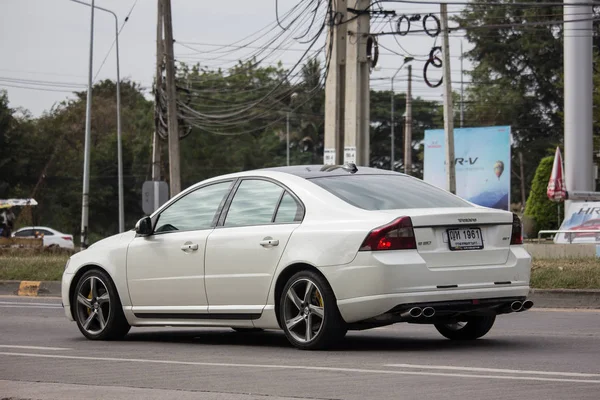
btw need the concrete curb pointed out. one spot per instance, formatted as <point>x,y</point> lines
<point>31,288</point>
<point>542,298</point>
<point>565,298</point>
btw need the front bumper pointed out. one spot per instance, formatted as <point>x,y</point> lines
<point>66,301</point>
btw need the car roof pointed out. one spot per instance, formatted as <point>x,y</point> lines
<point>37,227</point>
<point>321,171</point>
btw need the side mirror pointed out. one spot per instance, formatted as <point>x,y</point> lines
<point>144,227</point>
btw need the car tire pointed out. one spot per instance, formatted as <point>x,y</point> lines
<point>248,330</point>
<point>314,305</point>
<point>471,329</point>
<point>97,308</point>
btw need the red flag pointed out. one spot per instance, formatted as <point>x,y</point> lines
<point>556,186</point>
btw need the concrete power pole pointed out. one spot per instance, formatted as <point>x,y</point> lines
<point>578,97</point>
<point>156,145</point>
<point>85,203</point>
<point>174,162</point>
<point>408,126</point>
<point>356,140</point>
<point>448,106</point>
<point>334,85</point>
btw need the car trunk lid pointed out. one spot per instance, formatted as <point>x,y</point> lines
<point>470,236</point>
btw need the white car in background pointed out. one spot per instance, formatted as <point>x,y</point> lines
<point>312,250</point>
<point>51,237</point>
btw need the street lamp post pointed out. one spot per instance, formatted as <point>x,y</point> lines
<point>406,60</point>
<point>86,172</point>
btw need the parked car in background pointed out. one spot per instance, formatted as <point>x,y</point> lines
<point>590,225</point>
<point>51,237</point>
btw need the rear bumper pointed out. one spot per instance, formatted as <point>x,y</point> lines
<point>363,308</point>
<point>373,284</point>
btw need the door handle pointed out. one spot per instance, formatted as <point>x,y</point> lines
<point>269,242</point>
<point>189,247</point>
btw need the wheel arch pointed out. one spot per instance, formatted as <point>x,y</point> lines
<point>80,272</point>
<point>285,275</point>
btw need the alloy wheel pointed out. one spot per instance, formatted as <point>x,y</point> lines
<point>304,311</point>
<point>93,305</point>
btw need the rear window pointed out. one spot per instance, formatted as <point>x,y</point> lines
<point>388,192</point>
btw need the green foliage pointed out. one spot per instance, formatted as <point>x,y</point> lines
<point>426,115</point>
<point>517,77</point>
<point>539,207</point>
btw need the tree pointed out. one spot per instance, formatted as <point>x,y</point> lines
<point>426,115</point>
<point>539,207</point>
<point>517,75</point>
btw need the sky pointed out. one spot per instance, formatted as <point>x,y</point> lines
<point>45,44</point>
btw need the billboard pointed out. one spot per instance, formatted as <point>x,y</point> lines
<point>482,159</point>
<point>582,217</point>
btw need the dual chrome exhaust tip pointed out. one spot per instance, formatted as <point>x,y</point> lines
<point>417,312</point>
<point>518,306</point>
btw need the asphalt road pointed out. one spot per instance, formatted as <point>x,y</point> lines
<point>539,354</point>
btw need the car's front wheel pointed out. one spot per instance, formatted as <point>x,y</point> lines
<point>308,312</point>
<point>97,308</point>
<point>469,329</point>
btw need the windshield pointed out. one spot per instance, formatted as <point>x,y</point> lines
<point>388,192</point>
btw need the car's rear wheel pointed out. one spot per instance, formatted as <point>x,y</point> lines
<point>469,329</point>
<point>97,308</point>
<point>308,312</point>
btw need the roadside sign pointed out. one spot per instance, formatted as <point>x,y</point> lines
<point>154,195</point>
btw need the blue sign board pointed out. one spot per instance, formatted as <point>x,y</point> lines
<point>482,159</point>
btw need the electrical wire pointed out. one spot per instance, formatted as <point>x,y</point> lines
<point>115,40</point>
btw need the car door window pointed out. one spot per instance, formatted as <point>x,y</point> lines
<point>254,203</point>
<point>289,210</point>
<point>24,233</point>
<point>194,211</point>
<point>45,232</point>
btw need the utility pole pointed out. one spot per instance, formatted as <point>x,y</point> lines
<point>334,85</point>
<point>174,162</point>
<point>578,88</point>
<point>448,107</point>
<point>156,145</point>
<point>462,88</point>
<point>356,140</point>
<point>85,206</point>
<point>408,126</point>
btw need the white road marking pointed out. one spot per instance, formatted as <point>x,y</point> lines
<point>34,307</point>
<point>29,304</point>
<point>9,346</point>
<point>305,368</point>
<point>493,370</point>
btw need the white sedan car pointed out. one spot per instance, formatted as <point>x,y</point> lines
<point>51,237</point>
<point>312,250</point>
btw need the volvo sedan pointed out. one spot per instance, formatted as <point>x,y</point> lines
<point>312,250</point>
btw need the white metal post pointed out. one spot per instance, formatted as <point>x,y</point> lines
<point>287,134</point>
<point>119,136</point>
<point>578,87</point>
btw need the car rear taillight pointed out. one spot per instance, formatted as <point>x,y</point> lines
<point>397,235</point>
<point>516,236</point>
<point>67,238</point>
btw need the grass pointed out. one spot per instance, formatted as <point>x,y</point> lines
<point>48,265</point>
<point>583,273</point>
<point>32,264</point>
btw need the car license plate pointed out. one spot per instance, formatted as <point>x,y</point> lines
<point>465,239</point>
